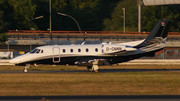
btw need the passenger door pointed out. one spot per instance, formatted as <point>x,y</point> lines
<point>56,54</point>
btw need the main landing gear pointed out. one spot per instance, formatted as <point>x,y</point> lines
<point>26,68</point>
<point>93,68</point>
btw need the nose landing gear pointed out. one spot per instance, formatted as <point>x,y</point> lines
<point>26,68</point>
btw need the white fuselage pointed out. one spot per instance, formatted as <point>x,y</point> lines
<point>89,50</point>
<point>74,50</point>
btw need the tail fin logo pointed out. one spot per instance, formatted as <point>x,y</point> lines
<point>162,23</point>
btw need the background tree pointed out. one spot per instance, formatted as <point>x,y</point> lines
<point>115,23</point>
<point>92,15</point>
<point>84,11</point>
<point>88,13</point>
<point>1,21</point>
<point>3,37</point>
<point>152,14</point>
<point>42,9</point>
<point>17,13</point>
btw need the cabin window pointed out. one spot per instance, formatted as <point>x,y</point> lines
<point>96,50</point>
<point>38,51</point>
<point>71,50</point>
<point>33,51</point>
<point>41,51</point>
<point>87,50</point>
<point>79,50</point>
<point>64,50</point>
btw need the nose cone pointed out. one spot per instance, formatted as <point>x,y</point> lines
<point>15,61</point>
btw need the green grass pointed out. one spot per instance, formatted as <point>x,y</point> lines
<point>89,83</point>
<point>124,83</point>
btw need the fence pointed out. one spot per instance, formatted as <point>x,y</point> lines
<point>82,35</point>
<point>166,53</point>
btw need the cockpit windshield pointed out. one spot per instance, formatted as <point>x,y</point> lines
<point>36,51</point>
<point>33,51</point>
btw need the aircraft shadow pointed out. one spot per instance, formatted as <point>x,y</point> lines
<point>110,70</point>
<point>136,70</point>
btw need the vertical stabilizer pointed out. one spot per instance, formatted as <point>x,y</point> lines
<point>158,33</point>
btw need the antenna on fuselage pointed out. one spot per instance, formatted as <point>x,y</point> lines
<point>104,43</point>
<point>83,43</point>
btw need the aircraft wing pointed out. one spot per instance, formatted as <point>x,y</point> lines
<point>83,61</point>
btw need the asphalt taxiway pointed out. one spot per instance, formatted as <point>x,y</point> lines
<point>100,71</point>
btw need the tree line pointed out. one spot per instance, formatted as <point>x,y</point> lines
<point>18,14</point>
<point>92,15</point>
<point>150,16</point>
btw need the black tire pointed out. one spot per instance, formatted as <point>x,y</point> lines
<point>90,68</point>
<point>25,70</point>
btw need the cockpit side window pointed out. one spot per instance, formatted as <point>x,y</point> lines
<point>33,51</point>
<point>38,51</point>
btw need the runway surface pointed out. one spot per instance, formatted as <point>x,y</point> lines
<point>100,71</point>
<point>92,98</point>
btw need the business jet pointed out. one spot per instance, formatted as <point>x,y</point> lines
<point>94,55</point>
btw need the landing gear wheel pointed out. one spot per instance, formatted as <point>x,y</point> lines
<point>25,70</point>
<point>96,71</point>
<point>90,68</point>
<point>95,68</point>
